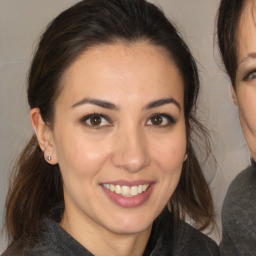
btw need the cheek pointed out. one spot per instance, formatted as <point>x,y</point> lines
<point>171,153</point>
<point>78,155</point>
<point>170,161</point>
<point>247,109</point>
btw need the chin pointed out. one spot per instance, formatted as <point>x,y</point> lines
<point>132,224</point>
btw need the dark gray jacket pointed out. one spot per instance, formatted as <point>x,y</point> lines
<point>52,240</point>
<point>239,216</point>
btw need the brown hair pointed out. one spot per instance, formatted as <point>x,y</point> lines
<point>37,186</point>
<point>227,26</point>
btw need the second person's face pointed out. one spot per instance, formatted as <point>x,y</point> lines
<point>245,92</point>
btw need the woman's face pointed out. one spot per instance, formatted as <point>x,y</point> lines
<point>119,136</point>
<point>245,95</point>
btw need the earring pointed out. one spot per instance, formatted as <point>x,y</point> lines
<point>186,157</point>
<point>48,158</point>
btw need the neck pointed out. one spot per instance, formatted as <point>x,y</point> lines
<point>101,241</point>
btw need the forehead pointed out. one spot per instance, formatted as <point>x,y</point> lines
<point>122,71</point>
<point>246,33</point>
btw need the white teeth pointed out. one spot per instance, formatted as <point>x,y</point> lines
<point>127,191</point>
<point>144,187</point>
<point>112,187</point>
<point>107,186</point>
<point>118,189</point>
<point>134,190</point>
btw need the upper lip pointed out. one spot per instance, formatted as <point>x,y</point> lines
<point>128,183</point>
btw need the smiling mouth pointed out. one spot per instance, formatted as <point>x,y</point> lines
<point>127,191</point>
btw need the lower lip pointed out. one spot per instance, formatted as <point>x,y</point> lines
<point>129,202</point>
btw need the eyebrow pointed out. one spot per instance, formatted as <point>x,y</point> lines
<point>251,55</point>
<point>100,103</point>
<point>162,102</point>
<point>109,105</point>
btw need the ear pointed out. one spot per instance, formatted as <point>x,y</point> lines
<point>44,136</point>
<point>233,94</point>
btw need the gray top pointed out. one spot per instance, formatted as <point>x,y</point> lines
<point>239,215</point>
<point>52,240</point>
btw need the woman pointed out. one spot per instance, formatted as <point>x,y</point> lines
<point>111,171</point>
<point>237,42</point>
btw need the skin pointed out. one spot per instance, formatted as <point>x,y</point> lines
<point>244,94</point>
<point>127,146</point>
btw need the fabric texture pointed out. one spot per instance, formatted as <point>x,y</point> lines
<point>52,240</point>
<point>239,215</point>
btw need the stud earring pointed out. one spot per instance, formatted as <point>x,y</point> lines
<point>186,157</point>
<point>48,158</point>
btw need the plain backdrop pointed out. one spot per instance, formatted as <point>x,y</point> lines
<point>21,23</point>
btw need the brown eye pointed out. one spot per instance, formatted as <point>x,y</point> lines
<point>156,120</point>
<point>95,120</point>
<point>161,120</point>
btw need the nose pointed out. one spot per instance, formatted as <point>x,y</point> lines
<point>131,151</point>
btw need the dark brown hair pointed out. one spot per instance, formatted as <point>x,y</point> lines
<point>227,27</point>
<point>37,186</point>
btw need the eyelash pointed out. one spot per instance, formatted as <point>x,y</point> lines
<point>170,120</point>
<point>87,117</point>
<point>247,77</point>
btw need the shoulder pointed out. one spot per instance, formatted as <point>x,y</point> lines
<point>29,247</point>
<point>51,240</point>
<point>190,241</point>
<point>238,214</point>
<point>244,183</point>
<point>14,249</point>
<point>240,199</point>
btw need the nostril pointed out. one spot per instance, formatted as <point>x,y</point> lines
<point>131,150</point>
<point>131,160</point>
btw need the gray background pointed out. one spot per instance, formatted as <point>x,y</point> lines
<point>21,22</point>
